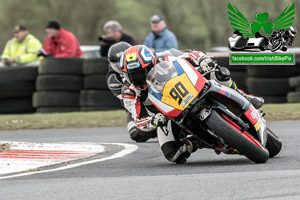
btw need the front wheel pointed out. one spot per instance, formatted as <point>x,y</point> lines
<point>245,143</point>
<point>274,143</point>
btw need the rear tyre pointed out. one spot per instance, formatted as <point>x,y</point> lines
<point>243,142</point>
<point>274,143</point>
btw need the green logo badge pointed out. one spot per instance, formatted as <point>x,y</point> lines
<point>276,35</point>
<point>239,22</point>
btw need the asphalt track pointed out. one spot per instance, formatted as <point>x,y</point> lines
<point>145,174</point>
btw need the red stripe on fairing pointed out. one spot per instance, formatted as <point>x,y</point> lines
<point>245,134</point>
<point>249,116</point>
<point>37,154</point>
<point>172,114</point>
<point>200,80</point>
<point>222,91</point>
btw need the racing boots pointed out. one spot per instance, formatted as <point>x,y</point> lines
<point>226,150</point>
<point>257,102</point>
<point>190,145</point>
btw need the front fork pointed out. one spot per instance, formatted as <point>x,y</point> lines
<point>254,116</point>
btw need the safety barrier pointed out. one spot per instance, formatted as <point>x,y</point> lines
<point>16,87</point>
<point>95,94</point>
<point>71,84</point>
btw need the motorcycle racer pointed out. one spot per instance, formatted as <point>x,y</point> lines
<point>114,79</point>
<point>135,63</point>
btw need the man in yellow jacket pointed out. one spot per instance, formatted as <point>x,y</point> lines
<point>23,48</point>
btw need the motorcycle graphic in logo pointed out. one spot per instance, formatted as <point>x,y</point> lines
<point>280,33</point>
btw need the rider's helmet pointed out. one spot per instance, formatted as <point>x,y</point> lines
<point>135,63</point>
<point>114,55</point>
<point>292,31</point>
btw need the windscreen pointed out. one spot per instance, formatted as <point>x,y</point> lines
<point>160,74</point>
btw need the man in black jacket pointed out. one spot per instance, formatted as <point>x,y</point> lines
<point>114,34</point>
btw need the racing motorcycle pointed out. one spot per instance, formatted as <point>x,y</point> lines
<point>219,116</point>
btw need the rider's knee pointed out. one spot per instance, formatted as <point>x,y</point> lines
<point>139,135</point>
<point>223,74</point>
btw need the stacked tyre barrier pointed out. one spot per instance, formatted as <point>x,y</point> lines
<point>294,97</point>
<point>96,96</point>
<point>271,81</point>
<point>71,84</point>
<point>238,72</point>
<point>58,85</point>
<point>16,87</point>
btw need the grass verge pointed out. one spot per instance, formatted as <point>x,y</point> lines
<point>63,120</point>
<point>275,112</point>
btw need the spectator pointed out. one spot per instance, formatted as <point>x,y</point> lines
<point>161,38</point>
<point>23,48</point>
<point>60,43</point>
<point>114,34</point>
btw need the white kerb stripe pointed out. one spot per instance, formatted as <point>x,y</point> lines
<point>128,149</point>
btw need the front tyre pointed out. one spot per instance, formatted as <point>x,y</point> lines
<point>245,143</point>
<point>274,143</point>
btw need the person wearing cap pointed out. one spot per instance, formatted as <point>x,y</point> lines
<point>114,34</point>
<point>161,38</point>
<point>22,49</point>
<point>60,43</point>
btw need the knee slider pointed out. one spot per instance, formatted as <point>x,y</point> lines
<point>138,135</point>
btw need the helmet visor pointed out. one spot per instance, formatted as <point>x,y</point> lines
<point>138,79</point>
<point>116,66</point>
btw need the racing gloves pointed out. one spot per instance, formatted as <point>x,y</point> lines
<point>201,61</point>
<point>152,122</point>
<point>159,120</point>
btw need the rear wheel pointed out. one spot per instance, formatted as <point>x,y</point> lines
<point>242,141</point>
<point>274,143</point>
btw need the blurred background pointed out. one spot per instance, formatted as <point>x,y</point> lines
<point>199,24</point>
